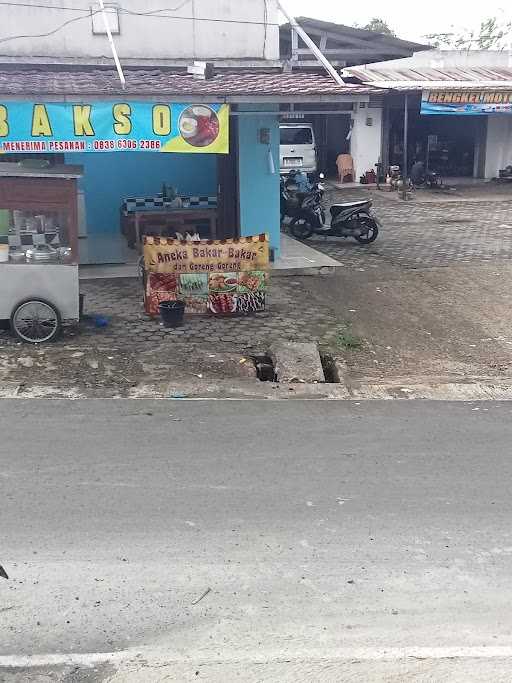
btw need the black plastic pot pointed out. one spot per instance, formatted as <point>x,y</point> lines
<point>172,313</point>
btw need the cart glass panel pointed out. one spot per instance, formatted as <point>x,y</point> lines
<point>35,236</point>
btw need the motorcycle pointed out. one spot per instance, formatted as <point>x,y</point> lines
<point>350,219</point>
<point>423,177</point>
<point>290,202</point>
<point>295,190</point>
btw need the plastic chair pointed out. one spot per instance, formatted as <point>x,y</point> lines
<point>345,165</point>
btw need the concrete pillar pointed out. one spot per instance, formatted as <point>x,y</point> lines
<point>498,153</point>
<point>258,170</point>
<point>366,140</point>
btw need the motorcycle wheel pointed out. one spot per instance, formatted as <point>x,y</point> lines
<point>300,229</point>
<point>372,234</point>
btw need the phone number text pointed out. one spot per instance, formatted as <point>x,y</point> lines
<point>108,145</point>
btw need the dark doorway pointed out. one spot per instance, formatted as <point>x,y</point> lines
<point>331,132</point>
<point>449,145</point>
<point>338,128</point>
<point>228,221</point>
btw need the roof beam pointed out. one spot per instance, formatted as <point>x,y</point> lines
<point>295,45</point>
<point>311,63</point>
<point>352,51</point>
<point>314,48</point>
<point>359,42</point>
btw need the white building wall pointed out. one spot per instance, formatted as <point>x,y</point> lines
<point>366,140</point>
<point>498,152</point>
<point>197,29</point>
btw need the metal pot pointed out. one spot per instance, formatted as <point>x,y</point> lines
<point>42,253</point>
<point>17,256</point>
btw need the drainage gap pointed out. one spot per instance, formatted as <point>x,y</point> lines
<point>330,370</point>
<point>265,368</point>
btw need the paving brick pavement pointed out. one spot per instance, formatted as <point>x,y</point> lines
<point>425,235</point>
<point>416,237</point>
<point>288,316</point>
<point>133,348</point>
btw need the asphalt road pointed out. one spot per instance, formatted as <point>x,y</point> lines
<point>339,541</point>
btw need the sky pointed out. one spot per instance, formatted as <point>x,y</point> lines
<point>409,20</point>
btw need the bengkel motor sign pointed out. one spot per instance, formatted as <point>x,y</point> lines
<point>113,127</point>
<point>466,102</point>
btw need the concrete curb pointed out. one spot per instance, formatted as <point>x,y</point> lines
<point>449,391</point>
<point>158,658</point>
<point>241,390</point>
<point>9,390</point>
<point>253,390</point>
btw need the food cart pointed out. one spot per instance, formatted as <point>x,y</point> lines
<point>38,249</point>
<point>38,298</point>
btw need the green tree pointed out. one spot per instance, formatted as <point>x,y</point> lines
<point>379,26</point>
<point>492,34</point>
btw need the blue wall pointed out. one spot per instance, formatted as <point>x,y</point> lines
<point>259,188</point>
<point>110,176</point>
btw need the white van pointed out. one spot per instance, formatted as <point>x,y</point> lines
<point>298,147</point>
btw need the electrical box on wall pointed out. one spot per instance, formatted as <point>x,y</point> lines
<point>98,21</point>
<point>264,136</point>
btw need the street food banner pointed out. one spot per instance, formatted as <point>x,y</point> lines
<point>113,127</point>
<point>224,277</point>
<point>467,102</point>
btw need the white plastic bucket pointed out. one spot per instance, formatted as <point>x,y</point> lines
<point>4,253</point>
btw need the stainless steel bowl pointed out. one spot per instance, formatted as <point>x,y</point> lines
<point>17,257</point>
<point>42,253</point>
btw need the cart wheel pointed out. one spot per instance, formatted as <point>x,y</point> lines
<point>35,321</point>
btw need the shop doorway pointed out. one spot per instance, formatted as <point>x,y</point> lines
<point>331,136</point>
<point>449,145</point>
<point>113,185</point>
<point>337,141</point>
<point>228,221</point>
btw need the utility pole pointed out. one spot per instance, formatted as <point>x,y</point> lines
<point>406,143</point>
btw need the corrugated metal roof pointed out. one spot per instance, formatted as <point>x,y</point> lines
<point>423,78</point>
<point>360,33</point>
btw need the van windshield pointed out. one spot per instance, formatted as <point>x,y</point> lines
<point>296,136</point>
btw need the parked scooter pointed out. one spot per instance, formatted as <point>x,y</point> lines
<point>350,219</point>
<point>290,202</point>
<point>295,189</point>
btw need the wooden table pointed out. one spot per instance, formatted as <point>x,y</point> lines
<point>185,220</point>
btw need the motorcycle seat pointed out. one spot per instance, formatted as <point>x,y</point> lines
<point>351,205</point>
